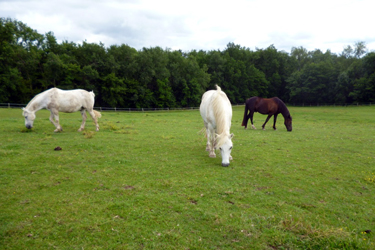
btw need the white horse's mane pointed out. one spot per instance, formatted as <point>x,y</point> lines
<point>31,106</point>
<point>222,124</point>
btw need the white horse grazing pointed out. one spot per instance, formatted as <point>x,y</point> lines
<point>216,112</point>
<point>67,101</point>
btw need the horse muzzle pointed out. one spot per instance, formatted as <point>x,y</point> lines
<point>29,126</point>
<point>225,164</point>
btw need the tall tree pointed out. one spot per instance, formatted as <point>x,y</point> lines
<point>360,49</point>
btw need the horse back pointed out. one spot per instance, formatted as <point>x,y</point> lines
<point>262,105</point>
<point>216,108</point>
<point>72,100</point>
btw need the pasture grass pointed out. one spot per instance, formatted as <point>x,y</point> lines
<point>145,181</point>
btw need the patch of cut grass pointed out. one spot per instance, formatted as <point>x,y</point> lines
<point>145,181</point>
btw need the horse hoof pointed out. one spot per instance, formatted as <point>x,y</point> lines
<point>212,155</point>
<point>230,158</point>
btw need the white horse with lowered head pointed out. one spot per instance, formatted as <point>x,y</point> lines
<point>67,101</point>
<point>216,112</point>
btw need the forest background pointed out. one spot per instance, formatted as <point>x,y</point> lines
<point>123,77</point>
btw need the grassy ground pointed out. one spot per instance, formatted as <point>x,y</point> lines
<point>145,181</point>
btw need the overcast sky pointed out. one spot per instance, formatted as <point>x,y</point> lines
<point>202,24</point>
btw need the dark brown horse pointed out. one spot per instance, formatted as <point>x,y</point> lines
<point>266,106</point>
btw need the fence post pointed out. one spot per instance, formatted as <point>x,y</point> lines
<point>8,105</point>
<point>115,109</point>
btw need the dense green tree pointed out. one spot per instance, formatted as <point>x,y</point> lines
<point>216,68</point>
<point>90,78</point>
<point>188,80</point>
<point>53,69</point>
<point>300,55</point>
<point>360,49</point>
<point>113,90</point>
<point>152,77</point>
<point>312,84</point>
<point>50,44</point>
<point>126,59</point>
<point>363,73</point>
<point>9,75</point>
<point>20,55</point>
<point>273,64</point>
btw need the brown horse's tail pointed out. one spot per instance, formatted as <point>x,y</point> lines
<point>97,114</point>
<point>245,118</point>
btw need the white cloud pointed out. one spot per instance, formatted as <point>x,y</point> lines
<point>203,24</point>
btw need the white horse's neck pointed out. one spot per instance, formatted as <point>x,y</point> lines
<point>222,110</point>
<point>223,122</point>
<point>37,103</point>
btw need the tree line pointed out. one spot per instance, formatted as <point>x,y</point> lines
<point>121,76</point>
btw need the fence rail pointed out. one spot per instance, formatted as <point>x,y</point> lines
<point>17,105</point>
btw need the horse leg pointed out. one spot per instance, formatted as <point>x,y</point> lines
<point>54,119</point>
<point>251,119</point>
<point>207,136</point>
<point>245,117</point>
<point>211,143</point>
<point>84,117</point>
<point>208,148</point>
<point>212,149</point>
<point>268,117</point>
<point>51,119</point>
<point>94,118</point>
<point>274,121</point>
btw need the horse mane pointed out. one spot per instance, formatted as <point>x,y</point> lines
<point>282,107</point>
<point>34,105</point>
<point>222,127</point>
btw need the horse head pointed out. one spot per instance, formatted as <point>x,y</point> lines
<point>224,143</point>
<point>288,123</point>
<point>29,118</point>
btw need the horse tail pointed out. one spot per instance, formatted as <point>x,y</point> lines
<point>97,114</point>
<point>218,88</point>
<point>245,118</point>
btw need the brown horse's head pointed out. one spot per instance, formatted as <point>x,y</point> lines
<point>288,123</point>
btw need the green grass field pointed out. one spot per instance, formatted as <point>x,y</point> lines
<point>145,181</point>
